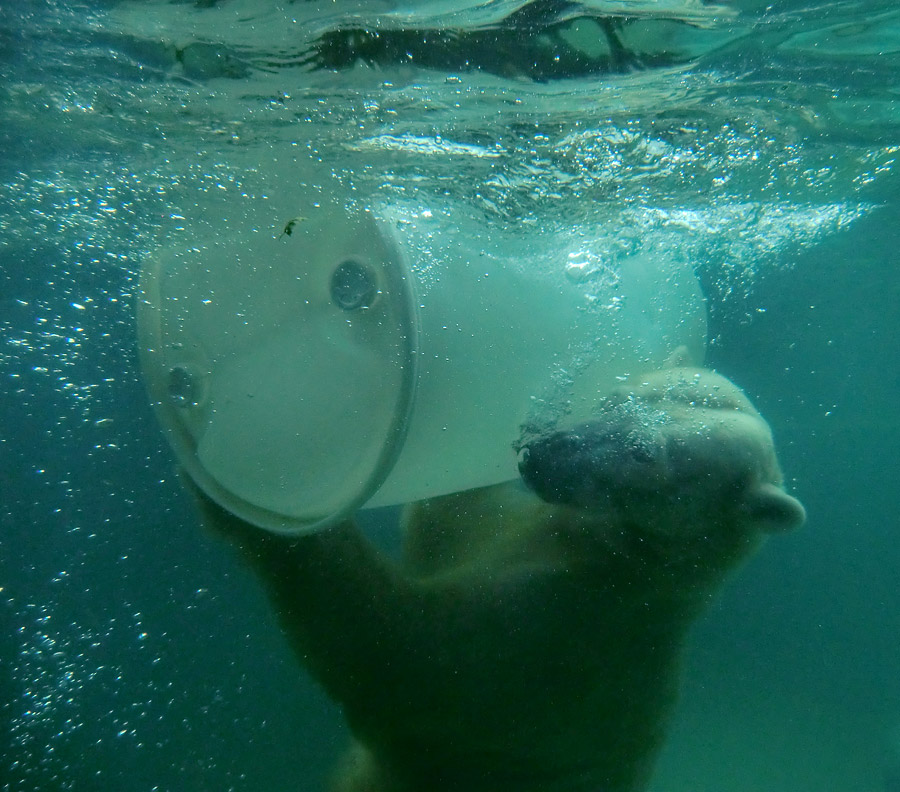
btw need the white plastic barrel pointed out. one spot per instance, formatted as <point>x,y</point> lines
<point>373,357</point>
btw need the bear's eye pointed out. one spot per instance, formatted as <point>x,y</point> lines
<point>353,285</point>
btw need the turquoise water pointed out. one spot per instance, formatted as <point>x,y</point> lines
<point>756,141</point>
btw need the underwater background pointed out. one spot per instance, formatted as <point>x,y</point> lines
<point>758,142</point>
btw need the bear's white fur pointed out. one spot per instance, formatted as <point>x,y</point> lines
<point>530,639</point>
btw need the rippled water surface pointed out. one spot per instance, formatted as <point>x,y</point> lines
<point>758,142</point>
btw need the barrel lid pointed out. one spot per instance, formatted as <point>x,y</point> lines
<point>282,365</point>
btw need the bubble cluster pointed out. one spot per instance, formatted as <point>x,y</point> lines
<point>60,674</point>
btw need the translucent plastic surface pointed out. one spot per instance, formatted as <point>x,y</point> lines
<point>391,355</point>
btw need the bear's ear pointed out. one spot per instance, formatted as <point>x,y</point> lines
<point>680,358</point>
<point>772,510</point>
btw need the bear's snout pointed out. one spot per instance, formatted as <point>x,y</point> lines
<point>587,465</point>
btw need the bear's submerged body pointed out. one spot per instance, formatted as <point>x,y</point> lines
<point>530,637</point>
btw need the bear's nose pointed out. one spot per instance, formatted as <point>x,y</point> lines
<point>553,467</point>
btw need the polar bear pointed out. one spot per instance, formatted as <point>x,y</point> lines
<point>530,637</point>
